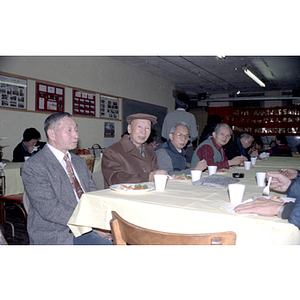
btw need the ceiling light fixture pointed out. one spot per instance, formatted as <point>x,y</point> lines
<point>253,77</point>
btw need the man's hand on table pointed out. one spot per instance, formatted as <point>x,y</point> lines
<point>261,206</point>
<point>279,181</point>
<point>236,161</point>
<point>161,172</point>
<point>289,173</point>
<point>201,165</point>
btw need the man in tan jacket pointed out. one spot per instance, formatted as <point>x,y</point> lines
<point>131,160</point>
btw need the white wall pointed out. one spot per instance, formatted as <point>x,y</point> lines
<point>96,74</point>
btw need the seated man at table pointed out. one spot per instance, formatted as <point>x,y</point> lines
<point>171,154</point>
<point>54,179</point>
<point>29,145</point>
<point>289,183</point>
<point>240,147</point>
<point>131,160</point>
<point>211,149</point>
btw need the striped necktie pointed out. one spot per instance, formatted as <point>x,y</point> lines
<point>72,177</point>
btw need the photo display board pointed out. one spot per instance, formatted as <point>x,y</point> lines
<point>109,107</point>
<point>49,97</point>
<point>13,92</point>
<point>84,103</point>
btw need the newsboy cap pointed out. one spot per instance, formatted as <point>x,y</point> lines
<point>141,116</point>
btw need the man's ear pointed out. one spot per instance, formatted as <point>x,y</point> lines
<point>51,134</point>
<point>129,128</point>
<point>171,136</point>
<point>214,135</point>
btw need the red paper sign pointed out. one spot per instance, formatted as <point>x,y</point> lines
<point>49,97</point>
<point>260,121</point>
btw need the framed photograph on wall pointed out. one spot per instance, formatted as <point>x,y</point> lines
<point>49,97</point>
<point>84,103</point>
<point>109,107</point>
<point>13,92</point>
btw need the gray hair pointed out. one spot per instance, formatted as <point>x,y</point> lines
<point>218,127</point>
<point>173,128</point>
<point>53,120</point>
<point>246,135</point>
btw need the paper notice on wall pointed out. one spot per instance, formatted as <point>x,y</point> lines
<point>41,103</point>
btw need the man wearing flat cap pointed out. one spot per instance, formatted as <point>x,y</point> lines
<point>131,160</point>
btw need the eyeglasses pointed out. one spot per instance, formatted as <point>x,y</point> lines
<point>181,135</point>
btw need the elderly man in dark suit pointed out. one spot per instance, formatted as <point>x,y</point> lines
<point>54,179</point>
<point>131,160</point>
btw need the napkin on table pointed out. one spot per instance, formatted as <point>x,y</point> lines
<point>216,181</point>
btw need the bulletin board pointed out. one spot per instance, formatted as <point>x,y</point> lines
<point>84,103</point>
<point>13,92</point>
<point>134,107</point>
<point>49,97</point>
<point>109,107</point>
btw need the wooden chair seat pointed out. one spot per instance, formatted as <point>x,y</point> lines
<point>125,233</point>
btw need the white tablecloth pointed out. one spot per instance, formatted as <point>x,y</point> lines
<point>186,208</point>
<point>13,178</point>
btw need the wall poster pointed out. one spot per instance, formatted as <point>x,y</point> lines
<point>49,97</point>
<point>13,92</point>
<point>84,103</point>
<point>109,107</point>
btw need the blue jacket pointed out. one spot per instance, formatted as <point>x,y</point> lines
<point>292,210</point>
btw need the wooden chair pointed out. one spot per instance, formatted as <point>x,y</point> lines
<point>15,199</point>
<point>127,233</point>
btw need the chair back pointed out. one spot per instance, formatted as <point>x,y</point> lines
<point>127,233</point>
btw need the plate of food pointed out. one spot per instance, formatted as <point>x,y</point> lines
<point>132,187</point>
<point>278,198</point>
<point>222,171</point>
<point>182,177</point>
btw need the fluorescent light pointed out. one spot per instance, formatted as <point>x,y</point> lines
<point>253,77</point>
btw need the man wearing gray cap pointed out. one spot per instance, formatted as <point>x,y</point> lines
<point>131,160</point>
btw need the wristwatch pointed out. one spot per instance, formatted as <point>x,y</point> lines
<point>280,211</point>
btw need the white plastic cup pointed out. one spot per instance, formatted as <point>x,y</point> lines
<point>253,160</point>
<point>260,177</point>
<point>247,165</point>
<point>236,193</point>
<point>212,170</point>
<point>160,181</point>
<point>196,175</point>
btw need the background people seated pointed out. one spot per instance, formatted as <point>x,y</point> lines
<point>171,154</point>
<point>182,101</point>
<point>240,147</point>
<point>211,149</point>
<point>281,148</point>
<point>29,145</point>
<point>131,160</point>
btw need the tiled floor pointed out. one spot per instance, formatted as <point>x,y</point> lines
<point>15,216</point>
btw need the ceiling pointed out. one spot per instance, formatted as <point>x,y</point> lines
<point>216,76</point>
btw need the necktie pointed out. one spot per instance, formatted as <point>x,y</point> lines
<point>72,177</point>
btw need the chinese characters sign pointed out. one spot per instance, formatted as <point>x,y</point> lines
<point>83,103</point>
<point>13,92</point>
<point>260,121</point>
<point>49,97</point>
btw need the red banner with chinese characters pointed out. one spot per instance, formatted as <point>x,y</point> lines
<point>260,121</point>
